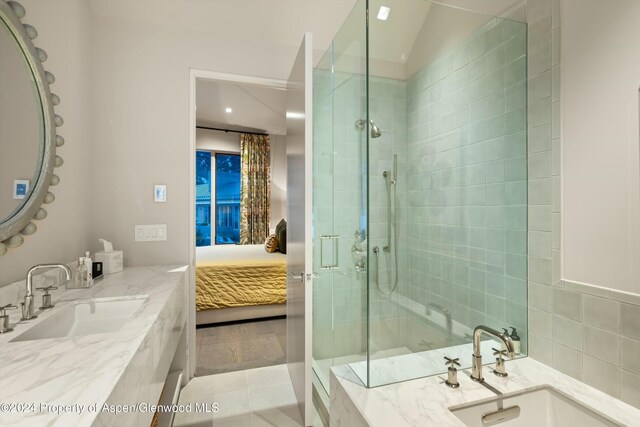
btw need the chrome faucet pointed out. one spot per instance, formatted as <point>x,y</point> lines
<point>27,305</point>
<point>476,366</point>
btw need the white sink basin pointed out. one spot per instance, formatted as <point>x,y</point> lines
<point>86,317</point>
<point>542,406</point>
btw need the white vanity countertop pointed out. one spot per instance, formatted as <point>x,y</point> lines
<point>426,401</point>
<point>80,370</point>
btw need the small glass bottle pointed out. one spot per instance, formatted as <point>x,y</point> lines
<point>80,280</point>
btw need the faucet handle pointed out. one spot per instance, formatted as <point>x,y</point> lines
<point>46,297</point>
<point>452,362</point>
<point>499,353</point>
<point>7,307</point>
<point>452,372</point>
<point>500,369</point>
<point>4,319</point>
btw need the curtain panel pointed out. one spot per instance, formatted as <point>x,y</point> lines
<point>255,188</point>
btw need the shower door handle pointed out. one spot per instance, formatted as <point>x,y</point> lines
<point>334,262</point>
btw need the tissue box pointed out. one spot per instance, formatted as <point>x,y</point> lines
<point>112,262</point>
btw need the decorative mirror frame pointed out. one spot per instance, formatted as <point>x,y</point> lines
<point>21,222</point>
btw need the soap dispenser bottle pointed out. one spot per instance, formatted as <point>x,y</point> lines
<point>515,339</point>
<point>88,262</point>
<point>80,279</point>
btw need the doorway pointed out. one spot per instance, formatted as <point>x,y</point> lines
<point>224,108</point>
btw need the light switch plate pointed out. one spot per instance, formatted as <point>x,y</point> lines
<point>151,233</point>
<point>160,193</point>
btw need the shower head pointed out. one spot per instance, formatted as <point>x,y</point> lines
<point>375,130</point>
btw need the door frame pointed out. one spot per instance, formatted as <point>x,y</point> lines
<point>196,74</point>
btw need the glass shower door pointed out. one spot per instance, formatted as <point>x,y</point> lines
<point>340,201</point>
<point>323,206</point>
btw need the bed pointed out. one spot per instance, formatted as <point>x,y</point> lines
<point>238,282</point>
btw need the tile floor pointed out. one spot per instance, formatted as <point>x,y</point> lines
<point>240,346</point>
<point>251,398</point>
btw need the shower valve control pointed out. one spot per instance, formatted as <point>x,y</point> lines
<point>452,372</point>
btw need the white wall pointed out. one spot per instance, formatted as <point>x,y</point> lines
<point>601,184</point>
<point>65,33</point>
<point>230,142</point>
<point>142,126</point>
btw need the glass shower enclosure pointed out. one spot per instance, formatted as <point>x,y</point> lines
<point>419,190</point>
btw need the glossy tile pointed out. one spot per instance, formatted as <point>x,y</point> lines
<point>567,360</point>
<point>629,390</point>
<point>630,355</point>
<point>567,304</point>
<point>601,375</point>
<point>568,332</point>
<point>602,345</point>
<point>630,321</point>
<point>602,313</point>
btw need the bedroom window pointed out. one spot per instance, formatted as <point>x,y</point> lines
<point>227,198</point>
<point>203,198</point>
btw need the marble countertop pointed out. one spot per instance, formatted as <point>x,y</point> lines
<point>76,372</point>
<point>426,401</point>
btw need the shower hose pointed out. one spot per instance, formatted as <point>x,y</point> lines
<point>391,219</point>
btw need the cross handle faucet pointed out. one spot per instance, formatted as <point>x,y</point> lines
<point>476,365</point>
<point>27,305</point>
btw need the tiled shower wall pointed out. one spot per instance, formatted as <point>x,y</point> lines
<point>467,179</point>
<point>387,108</point>
<point>587,332</point>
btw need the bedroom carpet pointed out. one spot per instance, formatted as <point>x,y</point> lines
<point>240,346</point>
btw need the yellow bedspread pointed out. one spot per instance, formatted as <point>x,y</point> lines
<point>240,283</point>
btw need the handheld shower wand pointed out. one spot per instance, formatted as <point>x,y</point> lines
<point>390,178</point>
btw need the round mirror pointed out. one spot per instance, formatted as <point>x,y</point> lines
<point>28,138</point>
<point>21,129</point>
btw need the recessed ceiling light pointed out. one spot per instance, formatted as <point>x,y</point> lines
<point>228,110</point>
<point>383,13</point>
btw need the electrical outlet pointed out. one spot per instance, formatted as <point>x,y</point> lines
<point>151,233</point>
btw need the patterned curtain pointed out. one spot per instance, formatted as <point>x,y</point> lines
<point>255,188</point>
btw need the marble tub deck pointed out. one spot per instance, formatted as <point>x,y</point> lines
<point>426,401</point>
<point>98,368</point>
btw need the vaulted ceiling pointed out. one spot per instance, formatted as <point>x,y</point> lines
<point>280,23</point>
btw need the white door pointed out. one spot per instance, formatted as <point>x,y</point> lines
<point>299,254</point>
